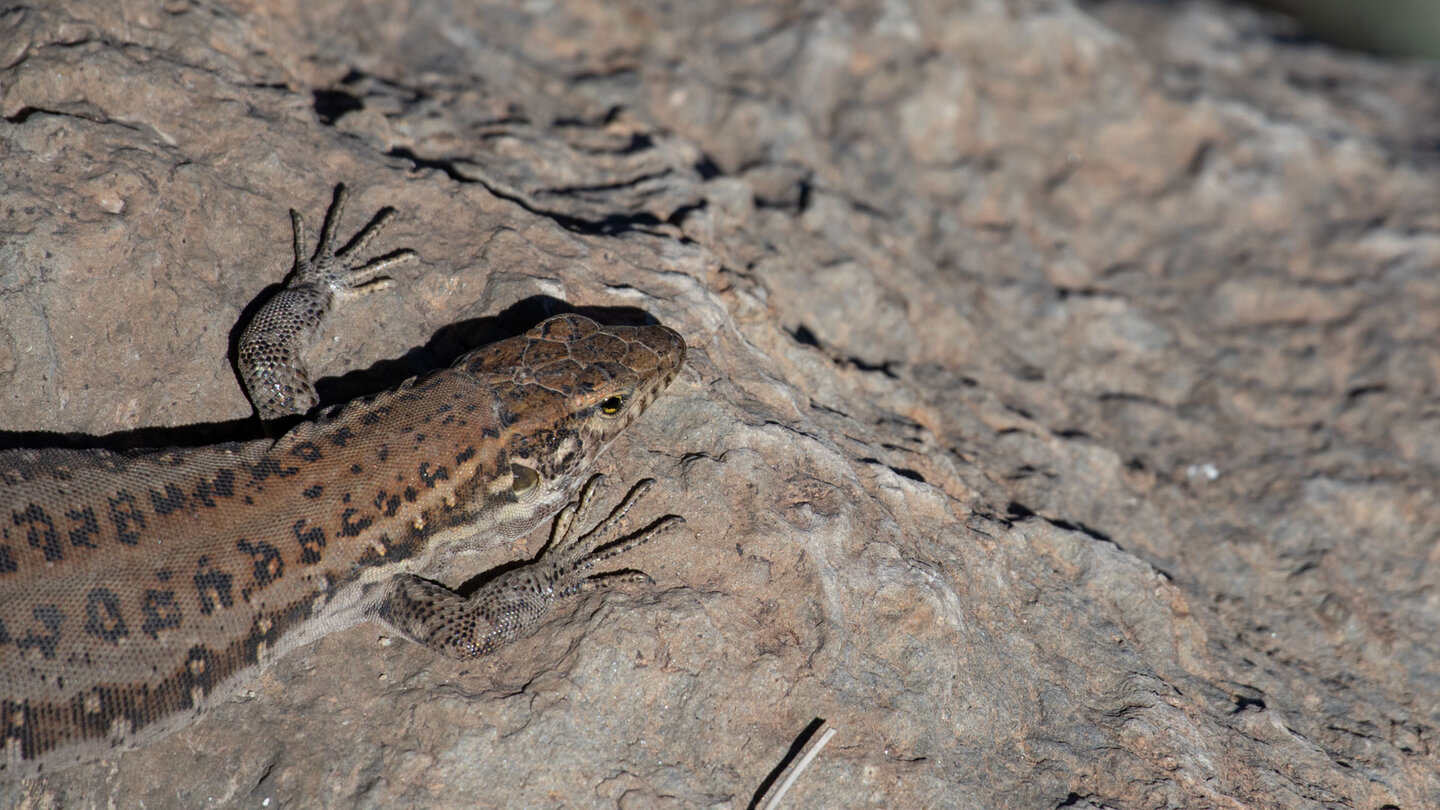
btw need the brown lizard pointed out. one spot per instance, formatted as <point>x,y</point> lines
<point>138,589</point>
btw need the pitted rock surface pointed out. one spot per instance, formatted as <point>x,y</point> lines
<point>1058,425</point>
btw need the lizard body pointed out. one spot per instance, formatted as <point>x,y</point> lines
<point>138,589</point>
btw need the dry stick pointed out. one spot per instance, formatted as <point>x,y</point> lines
<point>799,767</point>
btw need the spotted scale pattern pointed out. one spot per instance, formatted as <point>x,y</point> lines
<point>137,589</point>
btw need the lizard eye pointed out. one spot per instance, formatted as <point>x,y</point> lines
<point>524,478</point>
<point>612,405</point>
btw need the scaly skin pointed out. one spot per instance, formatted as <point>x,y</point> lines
<point>136,590</point>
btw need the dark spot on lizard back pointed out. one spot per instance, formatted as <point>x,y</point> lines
<point>50,618</point>
<point>350,526</point>
<point>388,504</point>
<point>223,486</point>
<point>161,612</point>
<point>439,473</point>
<point>103,617</point>
<point>212,586</point>
<point>87,531</point>
<point>307,451</point>
<point>268,565</point>
<point>311,541</point>
<point>127,517</point>
<point>40,531</point>
<point>268,467</point>
<point>171,500</point>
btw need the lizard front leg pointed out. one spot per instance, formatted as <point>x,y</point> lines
<point>269,355</point>
<point>513,604</point>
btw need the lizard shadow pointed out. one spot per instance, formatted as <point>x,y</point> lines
<point>444,347</point>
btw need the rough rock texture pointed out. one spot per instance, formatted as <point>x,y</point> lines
<point>1060,428</point>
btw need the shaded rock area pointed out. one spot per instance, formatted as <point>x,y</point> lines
<point>1060,426</point>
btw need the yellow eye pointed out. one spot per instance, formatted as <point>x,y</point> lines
<point>612,406</point>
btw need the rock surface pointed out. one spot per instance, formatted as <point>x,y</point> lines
<point>1060,427</point>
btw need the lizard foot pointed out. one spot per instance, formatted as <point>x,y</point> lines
<point>513,604</point>
<point>269,354</point>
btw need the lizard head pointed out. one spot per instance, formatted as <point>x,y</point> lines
<point>562,392</point>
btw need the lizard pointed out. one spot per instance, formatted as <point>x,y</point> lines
<point>139,589</point>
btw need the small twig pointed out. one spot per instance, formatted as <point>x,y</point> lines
<point>798,769</point>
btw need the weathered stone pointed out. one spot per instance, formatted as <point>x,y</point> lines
<point>1059,425</point>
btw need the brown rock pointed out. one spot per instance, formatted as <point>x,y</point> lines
<point>1059,427</point>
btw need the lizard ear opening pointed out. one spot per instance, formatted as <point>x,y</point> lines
<point>523,479</point>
